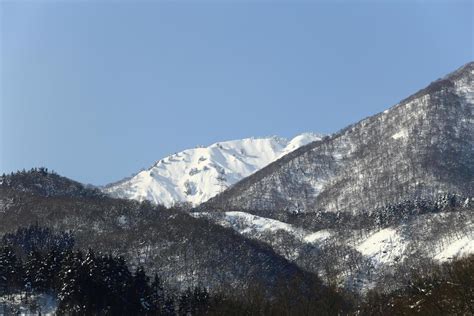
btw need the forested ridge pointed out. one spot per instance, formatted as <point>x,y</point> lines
<point>97,255</point>
<point>82,249</point>
<point>36,260</point>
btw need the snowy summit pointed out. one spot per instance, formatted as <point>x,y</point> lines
<point>195,175</point>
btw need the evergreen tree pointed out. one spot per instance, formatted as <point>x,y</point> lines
<point>36,272</point>
<point>91,284</point>
<point>185,303</point>
<point>157,297</point>
<point>200,301</point>
<point>70,294</point>
<point>169,308</point>
<point>53,262</point>
<point>10,271</point>
<point>140,292</point>
<point>116,279</point>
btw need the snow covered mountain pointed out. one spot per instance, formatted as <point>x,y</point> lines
<point>364,206</point>
<point>196,175</point>
<point>419,148</point>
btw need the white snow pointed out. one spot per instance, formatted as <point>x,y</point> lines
<point>318,236</point>
<point>383,247</point>
<point>401,134</point>
<point>459,248</point>
<point>196,175</point>
<point>253,225</point>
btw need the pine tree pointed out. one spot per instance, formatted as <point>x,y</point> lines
<point>200,301</point>
<point>185,303</point>
<point>71,295</point>
<point>10,271</point>
<point>169,308</point>
<point>35,272</point>
<point>91,284</point>
<point>53,262</point>
<point>140,291</point>
<point>157,297</point>
<point>116,281</point>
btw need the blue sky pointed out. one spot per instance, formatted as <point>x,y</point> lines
<point>97,90</point>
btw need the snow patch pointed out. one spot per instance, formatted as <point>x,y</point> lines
<point>457,249</point>
<point>401,134</point>
<point>317,237</point>
<point>253,225</point>
<point>386,246</point>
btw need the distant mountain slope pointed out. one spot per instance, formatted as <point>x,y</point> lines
<point>421,147</point>
<point>365,251</point>
<point>183,250</point>
<point>195,175</point>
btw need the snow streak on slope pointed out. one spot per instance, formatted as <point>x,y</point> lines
<point>457,249</point>
<point>253,225</point>
<point>286,239</point>
<point>196,175</point>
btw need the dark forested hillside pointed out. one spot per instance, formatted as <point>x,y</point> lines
<point>183,250</point>
<point>90,283</point>
<point>82,236</point>
<point>446,290</point>
<point>38,262</point>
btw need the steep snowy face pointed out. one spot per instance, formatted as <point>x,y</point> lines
<point>421,147</point>
<point>195,175</point>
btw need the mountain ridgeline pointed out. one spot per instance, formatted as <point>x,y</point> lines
<point>376,219</point>
<point>195,175</point>
<point>42,182</point>
<point>419,148</point>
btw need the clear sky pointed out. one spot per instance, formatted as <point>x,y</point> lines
<point>97,90</point>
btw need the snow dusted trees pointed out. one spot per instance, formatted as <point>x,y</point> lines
<point>85,283</point>
<point>10,271</point>
<point>448,290</point>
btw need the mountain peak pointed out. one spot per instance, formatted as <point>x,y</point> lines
<point>195,175</point>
